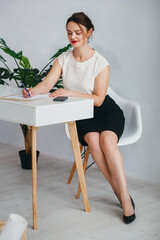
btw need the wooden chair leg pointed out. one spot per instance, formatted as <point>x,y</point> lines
<point>84,168</point>
<point>73,168</point>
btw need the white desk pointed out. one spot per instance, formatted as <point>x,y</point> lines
<point>44,112</point>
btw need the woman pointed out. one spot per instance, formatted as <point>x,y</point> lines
<point>86,74</point>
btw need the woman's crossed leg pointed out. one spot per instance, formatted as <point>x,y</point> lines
<point>106,155</point>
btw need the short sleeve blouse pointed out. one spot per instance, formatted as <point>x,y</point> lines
<point>80,76</point>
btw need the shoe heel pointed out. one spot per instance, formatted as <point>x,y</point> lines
<point>133,204</point>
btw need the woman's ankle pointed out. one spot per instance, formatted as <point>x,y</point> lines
<point>125,197</point>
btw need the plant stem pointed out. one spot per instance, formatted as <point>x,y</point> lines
<point>16,82</point>
<point>18,67</point>
<point>46,66</point>
<point>5,65</point>
<point>16,62</point>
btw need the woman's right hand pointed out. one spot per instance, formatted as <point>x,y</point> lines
<point>25,93</point>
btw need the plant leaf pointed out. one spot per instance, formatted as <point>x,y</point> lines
<point>4,74</point>
<point>25,62</point>
<point>3,42</point>
<point>9,51</point>
<point>60,51</point>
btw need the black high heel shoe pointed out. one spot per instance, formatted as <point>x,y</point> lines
<point>131,218</point>
<point>133,204</point>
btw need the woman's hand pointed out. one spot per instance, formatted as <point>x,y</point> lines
<point>61,92</point>
<point>25,93</point>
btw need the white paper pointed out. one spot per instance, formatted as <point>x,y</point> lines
<point>20,97</point>
<point>14,228</point>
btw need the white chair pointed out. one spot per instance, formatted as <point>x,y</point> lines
<point>132,131</point>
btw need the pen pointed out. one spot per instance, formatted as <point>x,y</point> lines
<point>26,90</point>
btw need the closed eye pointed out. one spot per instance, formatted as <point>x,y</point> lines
<point>78,32</point>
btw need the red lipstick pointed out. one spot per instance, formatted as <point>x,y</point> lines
<point>74,42</point>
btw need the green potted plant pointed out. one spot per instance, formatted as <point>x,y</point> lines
<point>30,77</point>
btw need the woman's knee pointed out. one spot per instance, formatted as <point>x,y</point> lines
<point>92,139</point>
<point>108,140</point>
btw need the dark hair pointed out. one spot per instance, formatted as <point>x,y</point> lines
<point>81,18</point>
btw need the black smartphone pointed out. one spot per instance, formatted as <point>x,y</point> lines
<point>61,99</point>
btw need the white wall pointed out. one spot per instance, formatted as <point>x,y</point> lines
<point>126,33</point>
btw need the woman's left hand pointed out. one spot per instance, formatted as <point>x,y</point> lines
<point>61,92</point>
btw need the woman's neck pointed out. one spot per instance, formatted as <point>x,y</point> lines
<point>83,53</point>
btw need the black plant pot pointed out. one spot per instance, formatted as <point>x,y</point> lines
<point>26,159</point>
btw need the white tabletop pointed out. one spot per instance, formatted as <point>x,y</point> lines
<point>43,111</point>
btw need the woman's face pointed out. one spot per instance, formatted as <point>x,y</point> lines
<point>77,35</point>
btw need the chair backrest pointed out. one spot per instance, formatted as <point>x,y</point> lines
<point>133,121</point>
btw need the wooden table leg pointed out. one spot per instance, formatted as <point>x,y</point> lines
<point>78,160</point>
<point>34,177</point>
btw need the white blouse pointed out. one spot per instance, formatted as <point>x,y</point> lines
<point>80,76</point>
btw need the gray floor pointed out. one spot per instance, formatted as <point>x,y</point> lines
<point>61,216</point>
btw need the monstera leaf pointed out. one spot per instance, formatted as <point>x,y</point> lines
<point>4,75</point>
<point>7,50</point>
<point>26,76</point>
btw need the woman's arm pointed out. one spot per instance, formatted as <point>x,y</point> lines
<point>46,85</point>
<point>99,93</point>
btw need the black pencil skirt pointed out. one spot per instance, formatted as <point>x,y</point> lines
<point>109,116</point>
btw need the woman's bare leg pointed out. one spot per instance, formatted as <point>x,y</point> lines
<point>93,141</point>
<point>113,157</point>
